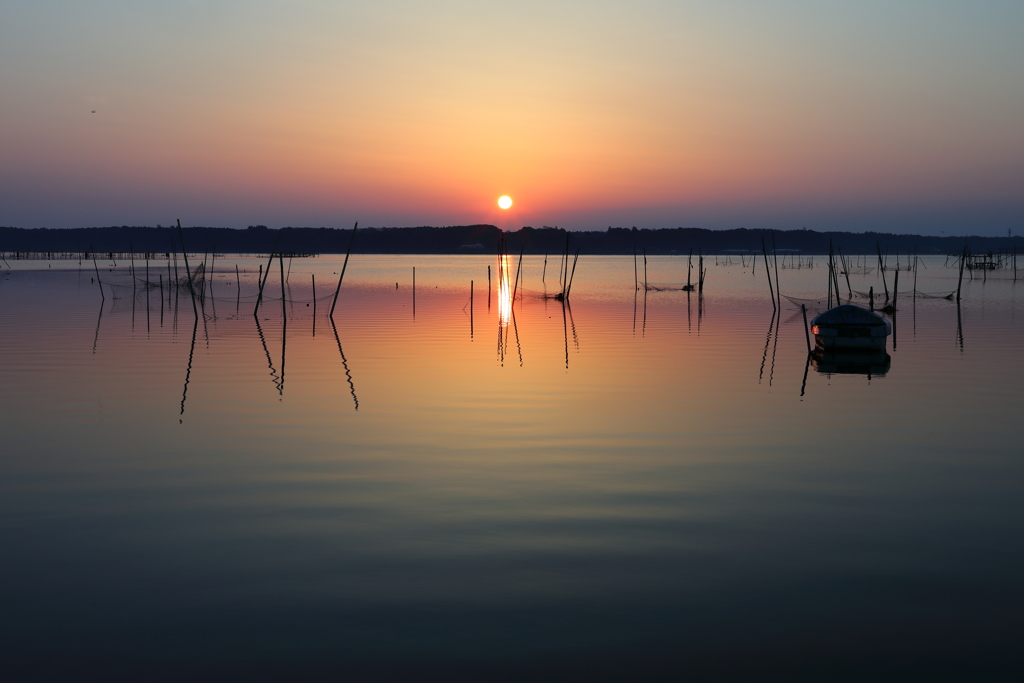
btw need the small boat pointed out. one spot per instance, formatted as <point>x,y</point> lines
<point>850,327</point>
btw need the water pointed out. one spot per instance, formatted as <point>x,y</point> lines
<point>644,486</point>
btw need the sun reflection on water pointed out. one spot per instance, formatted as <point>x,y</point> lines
<point>504,292</point>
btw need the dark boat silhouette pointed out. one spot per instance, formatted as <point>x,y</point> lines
<point>850,327</point>
<point>850,340</point>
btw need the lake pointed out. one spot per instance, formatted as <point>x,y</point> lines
<point>644,484</point>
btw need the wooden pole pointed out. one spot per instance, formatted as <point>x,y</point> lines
<point>313,275</point>
<point>566,259</point>
<point>767,269</point>
<point>846,272</point>
<point>807,332</point>
<point>835,276</point>
<point>915,277</point>
<point>263,282</point>
<point>343,267</point>
<point>188,272</point>
<point>518,268</point>
<point>830,281</point>
<point>568,290</point>
<point>636,277</point>
<point>97,268</point>
<point>960,282</point>
<point>284,311</point>
<point>775,258</point>
<point>881,268</point>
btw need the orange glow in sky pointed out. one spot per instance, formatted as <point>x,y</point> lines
<point>729,114</point>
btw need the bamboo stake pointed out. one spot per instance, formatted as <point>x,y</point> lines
<point>344,266</point>
<point>568,291</point>
<point>97,268</point>
<point>263,281</point>
<point>881,268</point>
<point>284,311</point>
<point>835,276</point>
<point>829,281</point>
<point>775,258</point>
<point>846,272</point>
<point>807,333</point>
<point>915,278</point>
<point>518,268</point>
<point>960,282</point>
<point>636,277</point>
<point>767,269</point>
<point>188,271</point>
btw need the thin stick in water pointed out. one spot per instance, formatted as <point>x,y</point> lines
<point>343,267</point>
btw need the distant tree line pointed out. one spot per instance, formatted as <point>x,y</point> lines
<point>483,239</point>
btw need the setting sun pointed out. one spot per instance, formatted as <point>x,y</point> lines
<point>505,202</point>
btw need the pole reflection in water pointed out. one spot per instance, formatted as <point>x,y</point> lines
<point>643,329</point>
<point>572,326</point>
<point>515,330</point>
<point>188,370</point>
<point>344,362</point>
<point>565,335</point>
<point>807,367</point>
<point>767,342</point>
<point>775,344</point>
<point>569,324</point>
<point>959,327</point>
<point>99,318</point>
<point>284,323</point>
<point>634,309</point>
<point>278,384</point>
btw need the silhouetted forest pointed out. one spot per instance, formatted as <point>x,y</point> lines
<point>476,239</point>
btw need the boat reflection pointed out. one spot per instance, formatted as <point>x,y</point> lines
<point>870,362</point>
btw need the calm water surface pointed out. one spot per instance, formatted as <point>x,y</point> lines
<point>643,485</point>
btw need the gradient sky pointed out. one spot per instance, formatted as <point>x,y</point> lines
<point>902,116</point>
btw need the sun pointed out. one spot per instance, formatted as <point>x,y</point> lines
<point>505,201</point>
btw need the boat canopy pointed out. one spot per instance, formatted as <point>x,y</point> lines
<point>850,320</point>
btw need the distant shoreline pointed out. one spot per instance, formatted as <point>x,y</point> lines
<point>478,239</point>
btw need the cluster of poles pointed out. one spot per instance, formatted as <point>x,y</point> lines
<point>191,278</point>
<point>702,273</point>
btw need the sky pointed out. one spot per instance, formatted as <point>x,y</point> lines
<point>895,116</point>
